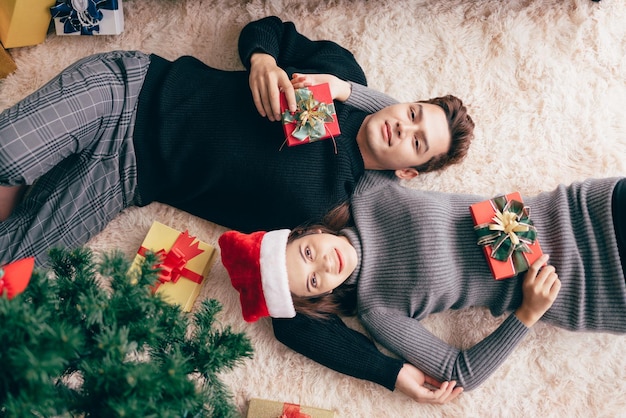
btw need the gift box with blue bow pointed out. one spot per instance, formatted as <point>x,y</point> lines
<point>88,17</point>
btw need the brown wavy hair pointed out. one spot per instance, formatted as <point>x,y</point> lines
<point>461,128</point>
<point>342,300</point>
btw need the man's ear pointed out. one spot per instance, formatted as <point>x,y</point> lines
<point>407,173</point>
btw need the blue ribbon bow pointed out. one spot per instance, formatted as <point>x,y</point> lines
<point>82,15</point>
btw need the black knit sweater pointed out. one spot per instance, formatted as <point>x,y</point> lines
<point>201,144</point>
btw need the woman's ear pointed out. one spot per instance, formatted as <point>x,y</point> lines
<point>407,173</point>
<point>319,231</point>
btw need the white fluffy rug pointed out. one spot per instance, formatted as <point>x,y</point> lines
<point>545,81</point>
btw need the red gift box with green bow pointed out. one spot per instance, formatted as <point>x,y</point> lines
<point>315,117</point>
<point>507,234</point>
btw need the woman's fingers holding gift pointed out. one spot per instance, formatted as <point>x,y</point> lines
<point>339,89</point>
<point>540,288</point>
<point>267,81</point>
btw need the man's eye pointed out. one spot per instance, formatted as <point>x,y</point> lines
<point>412,114</point>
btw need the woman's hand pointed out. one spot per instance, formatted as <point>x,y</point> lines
<point>411,381</point>
<point>540,288</point>
<point>339,89</point>
<point>267,81</point>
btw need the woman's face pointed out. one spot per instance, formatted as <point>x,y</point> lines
<point>318,263</point>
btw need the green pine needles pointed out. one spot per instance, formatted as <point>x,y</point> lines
<point>92,340</point>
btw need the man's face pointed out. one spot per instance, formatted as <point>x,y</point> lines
<point>402,136</point>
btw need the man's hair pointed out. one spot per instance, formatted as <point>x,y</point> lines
<point>461,128</point>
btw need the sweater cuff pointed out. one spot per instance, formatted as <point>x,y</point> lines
<point>367,99</point>
<point>387,376</point>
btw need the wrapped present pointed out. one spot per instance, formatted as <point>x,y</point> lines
<point>88,17</point>
<point>261,408</point>
<point>24,22</point>
<point>315,117</point>
<point>15,276</point>
<point>507,234</point>
<point>7,65</point>
<point>185,263</point>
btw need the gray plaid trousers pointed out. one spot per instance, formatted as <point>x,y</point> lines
<point>71,141</point>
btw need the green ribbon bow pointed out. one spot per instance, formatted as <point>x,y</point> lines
<point>510,233</point>
<point>310,116</point>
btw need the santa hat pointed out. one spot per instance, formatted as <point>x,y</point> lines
<point>14,277</point>
<point>257,265</point>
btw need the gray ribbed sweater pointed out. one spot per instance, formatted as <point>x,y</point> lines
<point>419,256</point>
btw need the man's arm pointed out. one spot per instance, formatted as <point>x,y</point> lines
<point>292,50</point>
<point>334,345</point>
<point>272,50</point>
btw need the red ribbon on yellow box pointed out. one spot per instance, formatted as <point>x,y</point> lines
<point>292,410</point>
<point>185,262</point>
<point>173,261</point>
<point>262,408</point>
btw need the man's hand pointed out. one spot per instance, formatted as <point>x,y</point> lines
<point>541,287</point>
<point>339,89</point>
<point>411,381</point>
<point>267,81</point>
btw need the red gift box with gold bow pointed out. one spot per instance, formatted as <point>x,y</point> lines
<point>185,263</point>
<point>314,119</point>
<point>261,408</point>
<point>507,235</point>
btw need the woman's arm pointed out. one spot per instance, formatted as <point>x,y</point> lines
<point>331,343</point>
<point>408,338</point>
<point>351,93</point>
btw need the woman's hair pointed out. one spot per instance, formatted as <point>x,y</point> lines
<point>342,300</point>
<point>461,128</point>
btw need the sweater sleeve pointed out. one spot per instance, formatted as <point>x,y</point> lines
<point>367,99</point>
<point>408,338</point>
<point>295,52</point>
<point>335,345</point>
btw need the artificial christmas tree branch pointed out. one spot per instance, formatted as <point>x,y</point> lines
<point>93,340</point>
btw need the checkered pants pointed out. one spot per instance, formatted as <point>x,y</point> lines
<point>71,141</point>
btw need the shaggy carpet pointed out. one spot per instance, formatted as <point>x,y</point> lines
<point>545,81</point>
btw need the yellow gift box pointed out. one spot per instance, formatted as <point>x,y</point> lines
<point>24,22</point>
<point>7,65</point>
<point>185,263</point>
<point>261,408</point>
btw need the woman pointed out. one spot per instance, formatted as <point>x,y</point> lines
<point>411,253</point>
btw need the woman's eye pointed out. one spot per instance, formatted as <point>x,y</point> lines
<point>412,115</point>
<point>314,281</point>
<point>307,252</point>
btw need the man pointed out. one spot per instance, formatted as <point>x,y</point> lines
<point>125,128</point>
